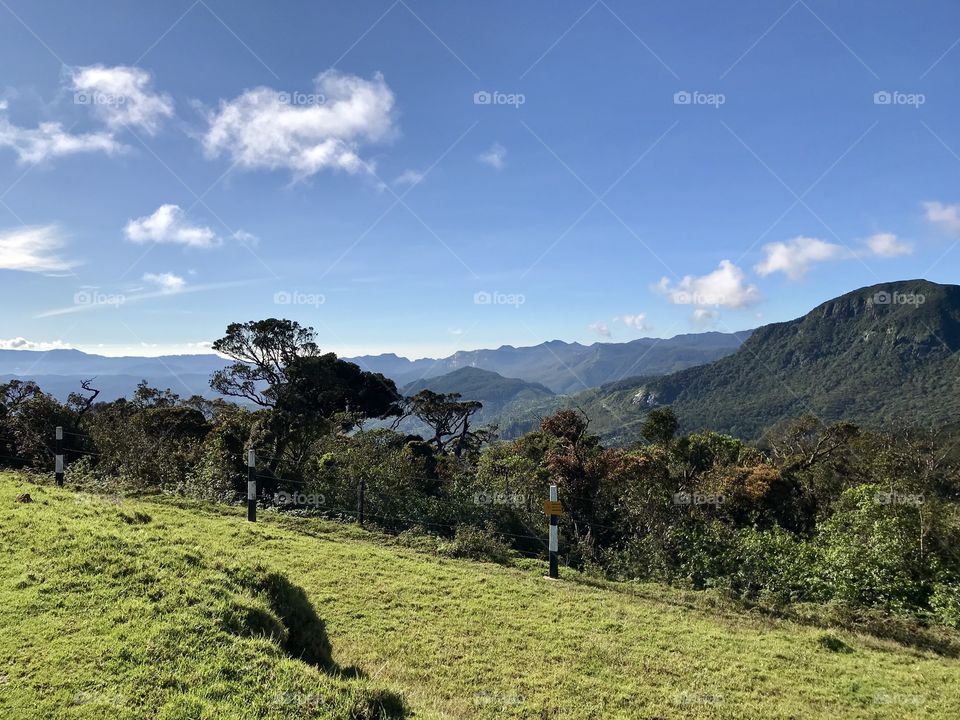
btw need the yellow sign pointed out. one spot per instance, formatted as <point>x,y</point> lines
<point>552,507</point>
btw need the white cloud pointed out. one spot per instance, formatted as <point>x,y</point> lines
<point>794,257</point>
<point>19,343</point>
<point>724,287</point>
<point>409,177</point>
<point>703,316</point>
<point>169,224</point>
<point>49,140</point>
<point>947,217</point>
<point>263,129</point>
<point>495,157</point>
<point>245,238</point>
<point>637,322</point>
<point>121,96</point>
<point>166,282</point>
<point>33,249</point>
<point>887,245</point>
<point>600,328</point>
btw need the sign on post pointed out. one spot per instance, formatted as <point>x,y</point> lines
<point>553,508</point>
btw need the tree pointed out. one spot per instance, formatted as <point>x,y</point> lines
<point>81,403</point>
<point>279,367</point>
<point>660,426</point>
<point>263,349</point>
<point>322,385</point>
<point>449,418</point>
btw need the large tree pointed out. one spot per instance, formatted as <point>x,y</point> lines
<point>279,367</point>
<point>449,418</point>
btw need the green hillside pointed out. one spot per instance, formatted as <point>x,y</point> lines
<point>166,609</point>
<point>490,388</point>
<point>881,354</point>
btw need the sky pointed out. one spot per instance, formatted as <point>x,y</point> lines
<point>421,177</point>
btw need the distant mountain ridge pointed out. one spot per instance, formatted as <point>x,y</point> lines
<point>559,366</point>
<point>567,367</point>
<point>888,354</point>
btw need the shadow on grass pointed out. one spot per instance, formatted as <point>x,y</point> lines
<point>293,623</point>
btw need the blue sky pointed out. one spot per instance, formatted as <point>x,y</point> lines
<point>421,177</point>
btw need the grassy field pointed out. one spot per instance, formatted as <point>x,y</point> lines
<point>163,609</point>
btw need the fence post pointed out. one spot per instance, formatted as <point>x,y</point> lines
<point>554,535</point>
<point>251,486</point>
<point>58,470</point>
<point>361,499</point>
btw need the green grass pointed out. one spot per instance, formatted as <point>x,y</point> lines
<point>166,609</point>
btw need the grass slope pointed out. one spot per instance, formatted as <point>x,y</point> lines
<point>162,609</point>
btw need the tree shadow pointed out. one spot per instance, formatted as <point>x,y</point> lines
<point>303,634</point>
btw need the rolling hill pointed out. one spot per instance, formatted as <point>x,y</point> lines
<point>492,389</point>
<point>880,355</point>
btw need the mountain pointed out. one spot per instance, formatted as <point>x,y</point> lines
<point>60,372</point>
<point>562,367</point>
<point>882,355</point>
<point>75,362</point>
<point>490,388</point>
<point>567,367</point>
<point>113,387</point>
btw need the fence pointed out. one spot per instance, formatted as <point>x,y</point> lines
<point>256,496</point>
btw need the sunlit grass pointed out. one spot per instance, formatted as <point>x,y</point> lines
<point>157,609</point>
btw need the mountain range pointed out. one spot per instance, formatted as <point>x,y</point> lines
<point>565,367</point>
<point>559,366</point>
<point>884,355</point>
<point>881,356</point>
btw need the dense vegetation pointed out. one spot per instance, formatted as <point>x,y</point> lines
<point>814,513</point>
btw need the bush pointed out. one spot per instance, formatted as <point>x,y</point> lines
<point>867,554</point>
<point>772,565</point>
<point>478,544</point>
<point>945,603</point>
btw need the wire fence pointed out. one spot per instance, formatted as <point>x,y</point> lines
<point>272,492</point>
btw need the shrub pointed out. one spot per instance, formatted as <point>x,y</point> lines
<point>945,603</point>
<point>478,544</point>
